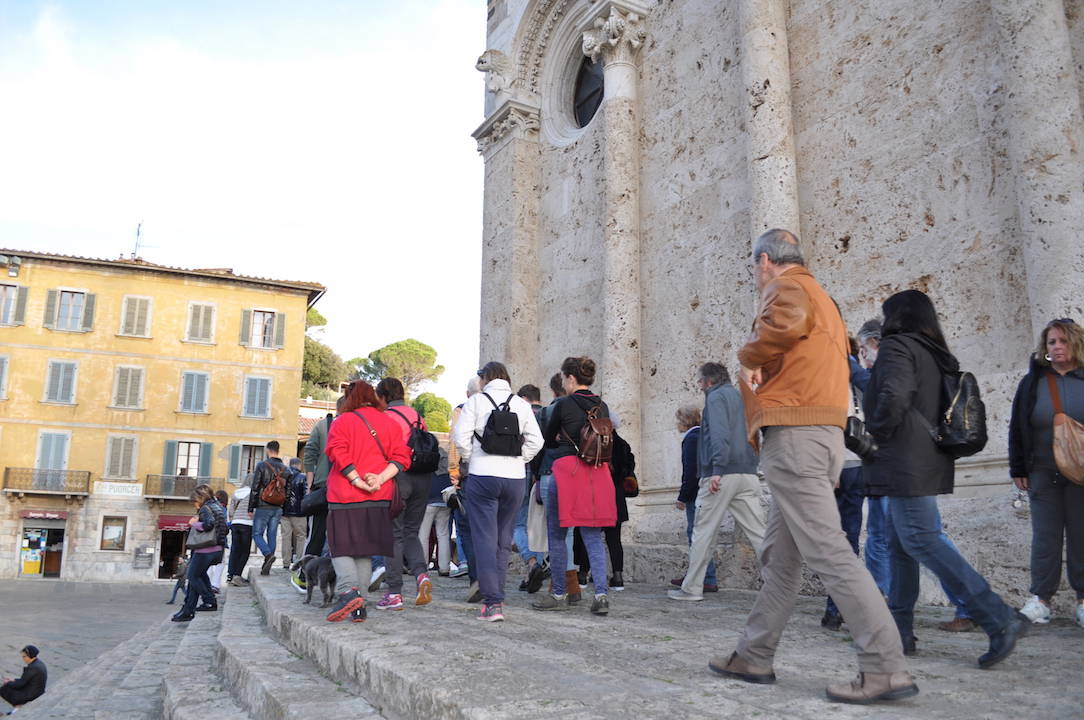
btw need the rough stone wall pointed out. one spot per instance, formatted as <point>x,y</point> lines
<point>902,128</point>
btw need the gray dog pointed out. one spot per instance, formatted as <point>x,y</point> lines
<point>317,570</point>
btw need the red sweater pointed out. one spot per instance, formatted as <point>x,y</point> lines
<point>397,412</point>
<point>350,445</point>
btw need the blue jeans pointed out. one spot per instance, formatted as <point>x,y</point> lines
<point>265,528</point>
<point>559,537</point>
<point>548,484</point>
<point>915,536</point>
<point>849,495</point>
<point>957,602</point>
<point>519,532</point>
<point>494,503</point>
<point>877,542</point>
<point>690,519</point>
<point>199,585</point>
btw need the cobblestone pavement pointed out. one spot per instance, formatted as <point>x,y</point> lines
<point>74,622</point>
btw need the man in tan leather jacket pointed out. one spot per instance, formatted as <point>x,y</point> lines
<point>796,359</point>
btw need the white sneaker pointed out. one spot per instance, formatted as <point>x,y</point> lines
<point>1080,614</point>
<point>679,594</point>
<point>1036,611</point>
<point>374,582</point>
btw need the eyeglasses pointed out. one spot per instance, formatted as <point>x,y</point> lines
<point>1063,321</point>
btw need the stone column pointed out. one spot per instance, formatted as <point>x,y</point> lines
<point>773,181</point>
<point>508,140</point>
<point>615,37</point>
<point>1046,134</point>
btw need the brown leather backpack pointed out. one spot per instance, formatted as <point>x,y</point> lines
<point>274,492</point>
<point>596,444</point>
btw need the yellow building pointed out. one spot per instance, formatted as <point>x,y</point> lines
<point>122,385</point>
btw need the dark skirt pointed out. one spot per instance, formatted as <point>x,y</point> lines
<point>360,529</point>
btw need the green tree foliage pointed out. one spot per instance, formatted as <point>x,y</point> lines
<point>314,319</point>
<point>412,361</point>
<point>322,366</point>
<point>435,409</point>
<point>317,392</point>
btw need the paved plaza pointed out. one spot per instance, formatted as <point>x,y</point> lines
<point>72,623</point>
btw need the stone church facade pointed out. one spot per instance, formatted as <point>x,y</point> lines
<point>930,146</point>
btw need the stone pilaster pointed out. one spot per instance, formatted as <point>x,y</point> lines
<point>615,37</point>
<point>508,140</point>
<point>1045,137</point>
<point>773,181</point>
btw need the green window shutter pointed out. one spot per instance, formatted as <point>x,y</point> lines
<point>67,382</point>
<point>235,464</point>
<point>263,397</point>
<point>127,460</point>
<point>246,327</point>
<point>142,316</point>
<point>3,377</point>
<point>201,393</point>
<point>169,460</point>
<point>280,329</point>
<point>205,459</point>
<point>207,324</point>
<point>188,392</point>
<point>52,384</point>
<point>122,398</point>
<point>50,309</point>
<point>88,311</point>
<point>20,307</point>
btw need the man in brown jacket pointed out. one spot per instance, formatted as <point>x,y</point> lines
<point>796,360</point>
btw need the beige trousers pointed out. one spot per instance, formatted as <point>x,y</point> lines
<point>801,465</point>
<point>293,532</point>
<point>741,495</point>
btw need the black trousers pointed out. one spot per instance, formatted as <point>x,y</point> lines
<point>317,534</point>
<point>414,489</point>
<point>14,697</point>
<point>1057,523</point>
<point>240,549</point>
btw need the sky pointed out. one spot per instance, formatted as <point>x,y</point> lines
<point>325,141</point>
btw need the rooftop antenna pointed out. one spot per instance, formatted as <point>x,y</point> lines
<point>139,232</point>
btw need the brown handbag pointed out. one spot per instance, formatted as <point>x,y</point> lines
<point>1068,439</point>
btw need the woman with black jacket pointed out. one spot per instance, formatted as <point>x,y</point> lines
<point>902,403</point>
<point>209,514</point>
<point>1057,504</point>
<point>562,432</point>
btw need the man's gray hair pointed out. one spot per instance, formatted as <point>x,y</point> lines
<point>781,247</point>
<point>870,330</point>
<point>474,386</point>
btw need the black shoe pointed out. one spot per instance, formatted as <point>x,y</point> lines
<point>582,576</point>
<point>523,585</point>
<point>831,620</point>
<point>359,614</point>
<point>536,577</point>
<point>617,582</point>
<point>207,608</point>
<point>600,605</point>
<point>1003,643</point>
<point>345,605</point>
<point>183,617</point>
<point>170,602</point>
<point>268,563</point>
<point>909,646</point>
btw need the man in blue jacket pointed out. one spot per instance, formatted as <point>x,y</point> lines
<point>728,480</point>
<point>31,685</point>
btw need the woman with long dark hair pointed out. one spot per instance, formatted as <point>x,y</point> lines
<point>209,514</point>
<point>902,402</point>
<point>366,450</point>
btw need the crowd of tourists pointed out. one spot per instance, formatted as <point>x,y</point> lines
<point>831,423</point>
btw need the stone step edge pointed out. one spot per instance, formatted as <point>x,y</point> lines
<point>192,687</point>
<point>394,694</point>
<point>252,662</point>
<point>101,668</point>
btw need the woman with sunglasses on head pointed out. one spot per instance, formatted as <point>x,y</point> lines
<point>1055,378</point>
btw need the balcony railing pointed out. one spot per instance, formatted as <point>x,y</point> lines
<point>47,482</point>
<point>178,487</point>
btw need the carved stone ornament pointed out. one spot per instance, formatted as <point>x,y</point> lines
<point>499,74</point>
<point>616,37</point>
<point>512,119</point>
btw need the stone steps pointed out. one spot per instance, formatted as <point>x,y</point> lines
<point>127,679</point>
<point>193,688</point>
<point>269,681</point>
<point>648,657</point>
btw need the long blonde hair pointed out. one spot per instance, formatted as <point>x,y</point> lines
<point>1073,333</point>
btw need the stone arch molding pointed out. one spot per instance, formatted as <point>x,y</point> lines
<point>545,58</point>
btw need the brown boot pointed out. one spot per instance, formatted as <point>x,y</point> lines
<point>873,687</point>
<point>572,586</point>
<point>960,624</point>
<point>738,669</point>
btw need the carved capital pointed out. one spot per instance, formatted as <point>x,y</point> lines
<point>616,36</point>
<point>500,77</point>
<point>513,119</point>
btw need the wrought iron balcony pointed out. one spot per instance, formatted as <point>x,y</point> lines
<point>178,487</point>
<point>46,482</point>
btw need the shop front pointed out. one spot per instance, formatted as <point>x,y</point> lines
<point>41,543</point>
<point>172,531</point>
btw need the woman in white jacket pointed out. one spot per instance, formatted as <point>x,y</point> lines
<point>496,479</point>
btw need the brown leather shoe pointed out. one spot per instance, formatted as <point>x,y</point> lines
<point>738,669</point>
<point>873,687</point>
<point>572,586</point>
<point>960,624</point>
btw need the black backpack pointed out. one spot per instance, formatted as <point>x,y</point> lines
<point>961,421</point>
<point>501,433</point>
<point>424,448</point>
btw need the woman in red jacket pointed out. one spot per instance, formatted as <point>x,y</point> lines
<point>366,450</point>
